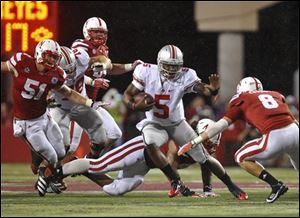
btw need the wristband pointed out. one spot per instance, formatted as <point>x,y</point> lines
<point>89,102</point>
<point>128,67</point>
<point>215,92</point>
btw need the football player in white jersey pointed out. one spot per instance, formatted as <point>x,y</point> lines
<point>75,65</point>
<point>167,82</point>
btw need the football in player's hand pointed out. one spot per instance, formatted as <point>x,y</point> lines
<point>143,101</point>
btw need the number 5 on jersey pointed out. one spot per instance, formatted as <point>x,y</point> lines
<point>164,109</point>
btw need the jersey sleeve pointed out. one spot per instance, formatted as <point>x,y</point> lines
<point>139,77</point>
<point>190,79</point>
<point>80,44</point>
<point>59,78</point>
<point>82,57</point>
<point>17,61</point>
<point>234,111</point>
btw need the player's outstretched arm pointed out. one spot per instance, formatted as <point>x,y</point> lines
<point>77,98</point>
<point>6,67</point>
<point>217,128</point>
<point>118,69</point>
<point>209,89</point>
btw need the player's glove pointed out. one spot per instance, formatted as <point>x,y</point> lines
<point>51,103</point>
<point>101,83</point>
<point>97,104</point>
<point>98,67</point>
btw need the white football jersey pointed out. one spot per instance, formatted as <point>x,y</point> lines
<point>77,82</point>
<point>168,109</point>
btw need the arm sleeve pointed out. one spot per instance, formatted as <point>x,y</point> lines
<point>217,128</point>
<point>190,80</point>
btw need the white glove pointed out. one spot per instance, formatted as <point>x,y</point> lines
<point>97,104</point>
<point>99,68</point>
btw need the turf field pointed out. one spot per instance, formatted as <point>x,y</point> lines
<point>84,198</point>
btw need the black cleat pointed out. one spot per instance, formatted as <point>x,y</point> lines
<point>42,182</point>
<point>277,191</point>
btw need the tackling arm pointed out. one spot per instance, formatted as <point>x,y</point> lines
<point>6,67</point>
<point>218,127</point>
<point>74,96</point>
<point>101,61</point>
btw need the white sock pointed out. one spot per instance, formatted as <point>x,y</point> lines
<point>76,166</point>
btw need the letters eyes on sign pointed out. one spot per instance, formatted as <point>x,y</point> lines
<point>25,23</point>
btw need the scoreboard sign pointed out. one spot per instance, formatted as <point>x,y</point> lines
<point>25,23</point>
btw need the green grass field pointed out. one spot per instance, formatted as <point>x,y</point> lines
<point>148,203</point>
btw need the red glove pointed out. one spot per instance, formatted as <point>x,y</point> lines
<point>101,83</point>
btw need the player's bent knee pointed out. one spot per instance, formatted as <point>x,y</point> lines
<point>122,186</point>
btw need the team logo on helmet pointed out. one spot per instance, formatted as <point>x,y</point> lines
<point>54,80</point>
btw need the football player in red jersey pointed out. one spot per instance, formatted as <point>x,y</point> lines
<point>95,34</point>
<point>33,78</point>
<point>269,113</point>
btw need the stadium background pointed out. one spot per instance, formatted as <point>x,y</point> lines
<point>138,30</point>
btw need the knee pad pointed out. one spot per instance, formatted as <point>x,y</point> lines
<point>155,136</point>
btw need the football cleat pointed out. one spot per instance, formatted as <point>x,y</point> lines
<point>56,187</point>
<point>208,192</point>
<point>42,182</point>
<point>277,191</point>
<point>175,188</point>
<point>186,192</point>
<point>238,193</point>
<point>46,184</point>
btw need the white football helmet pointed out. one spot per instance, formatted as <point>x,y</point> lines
<point>68,62</point>
<point>95,24</point>
<point>170,62</point>
<point>249,84</point>
<point>48,53</point>
<point>206,124</point>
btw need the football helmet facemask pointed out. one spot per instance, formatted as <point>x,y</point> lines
<point>95,30</point>
<point>68,62</point>
<point>48,53</point>
<point>170,62</point>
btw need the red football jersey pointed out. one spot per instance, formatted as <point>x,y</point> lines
<point>30,87</point>
<point>92,52</point>
<point>265,110</point>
